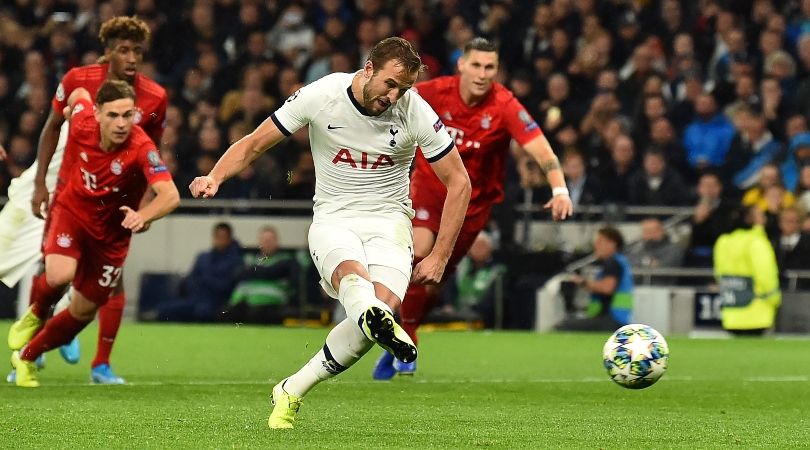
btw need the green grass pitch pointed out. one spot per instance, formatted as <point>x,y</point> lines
<point>208,387</point>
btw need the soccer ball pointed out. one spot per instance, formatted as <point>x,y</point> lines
<point>635,356</point>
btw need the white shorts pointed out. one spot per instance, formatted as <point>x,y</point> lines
<point>20,231</point>
<point>20,242</point>
<point>383,245</point>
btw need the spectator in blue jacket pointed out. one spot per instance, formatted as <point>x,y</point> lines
<point>708,138</point>
<point>210,283</point>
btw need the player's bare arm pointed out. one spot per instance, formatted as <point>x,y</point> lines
<point>238,156</point>
<point>166,200</point>
<point>450,170</point>
<point>560,203</point>
<point>46,149</point>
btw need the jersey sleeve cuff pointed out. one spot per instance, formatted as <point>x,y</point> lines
<point>281,128</point>
<point>441,154</point>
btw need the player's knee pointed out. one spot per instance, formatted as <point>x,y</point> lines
<point>58,278</point>
<point>348,268</point>
<point>81,308</point>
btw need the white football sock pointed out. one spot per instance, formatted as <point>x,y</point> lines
<point>357,295</point>
<point>345,345</point>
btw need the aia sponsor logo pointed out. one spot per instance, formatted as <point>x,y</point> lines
<point>344,156</point>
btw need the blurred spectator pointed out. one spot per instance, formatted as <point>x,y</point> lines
<point>209,285</point>
<point>769,176</point>
<point>655,183</point>
<point>266,286</point>
<point>707,139</point>
<point>792,246</point>
<point>752,148</point>
<point>611,290</point>
<point>584,190</point>
<point>619,171</point>
<point>472,292</point>
<point>745,267</point>
<point>709,220</point>
<point>798,155</point>
<point>656,249</point>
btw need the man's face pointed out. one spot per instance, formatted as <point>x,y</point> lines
<point>222,239</point>
<point>654,165</point>
<point>386,86</point>
<point>789,222</point>
<point>603,247</point>
<point>709,187</point>
<point>652,231</point>
<point>124,57</point>
<point>116,119</point>
<point>268,242</point>
<point>477,70</point>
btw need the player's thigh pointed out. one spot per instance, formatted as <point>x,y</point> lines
<point>423,241</point>
<point>426,222</point>
<point>390,285</point>
<point>330,245</point>
<point>63,248</point>
<point>389,251</point>
<point>99,271</point>
<point>81,307</point>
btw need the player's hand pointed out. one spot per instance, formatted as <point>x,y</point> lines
<point>3,154</point>
<point>39,201</point>
<point>205,187</point>
<point>429,270</point>
<point>145,228</point>
<point>560,206</point>
<point>132,219</point>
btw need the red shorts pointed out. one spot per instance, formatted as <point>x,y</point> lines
<point>99,263</point>
<point>429,215</point>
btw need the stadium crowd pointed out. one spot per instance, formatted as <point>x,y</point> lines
<point>663,102</point>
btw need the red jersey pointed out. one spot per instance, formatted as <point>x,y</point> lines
<point>482,134</point>
<point>100,182</point>
<point>150,104</point>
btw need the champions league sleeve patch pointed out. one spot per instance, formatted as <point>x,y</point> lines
<point>60,93</point>
<point>527,120</point>
<point>438,125</point>
<point>153,158</point>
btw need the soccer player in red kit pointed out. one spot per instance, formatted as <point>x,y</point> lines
<point>124,39</point>
<point>483,116</point>
<point>92,220</point>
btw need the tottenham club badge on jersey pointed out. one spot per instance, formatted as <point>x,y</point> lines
<point>486,122</point>
<point>117,167</point>
<point>64,240</point>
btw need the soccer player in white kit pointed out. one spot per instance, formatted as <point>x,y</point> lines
<point>363,129</point>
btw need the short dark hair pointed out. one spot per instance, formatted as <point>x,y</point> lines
<point>112,90</point>
<point>123,27</point>
<point>224,226</point>
<point>480,44</point>
<point>614,235</point>
<point>395,48</point>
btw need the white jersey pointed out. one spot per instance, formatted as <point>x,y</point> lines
<point>362,163</point>
<point>21,189</point>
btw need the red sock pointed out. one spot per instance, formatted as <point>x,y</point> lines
<point>43,296</point>
<point>58,331</point>
<point>109,320</point>
<point>412,310</point>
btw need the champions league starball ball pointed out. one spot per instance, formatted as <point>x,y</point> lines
<point>635,356</point>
